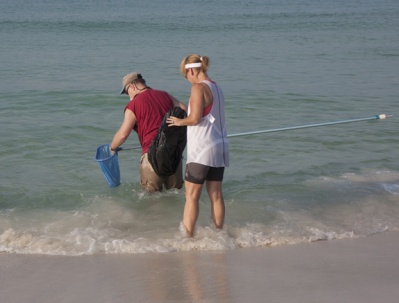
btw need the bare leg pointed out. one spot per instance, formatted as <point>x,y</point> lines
<point>191,208</point>
<point>149,180</point>
<point>175,180</point>
<point>214,189</point>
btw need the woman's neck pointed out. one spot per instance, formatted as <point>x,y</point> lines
<point>202,77</point>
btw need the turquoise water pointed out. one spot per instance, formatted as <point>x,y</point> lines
<point>279,63</point>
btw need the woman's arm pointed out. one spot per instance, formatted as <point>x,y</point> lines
<point>197,103</point>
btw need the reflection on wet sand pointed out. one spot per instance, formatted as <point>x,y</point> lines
<point>190,277</point>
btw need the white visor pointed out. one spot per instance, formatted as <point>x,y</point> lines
<point>191,65</point>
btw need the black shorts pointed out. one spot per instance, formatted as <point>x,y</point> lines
<point>198,173</point>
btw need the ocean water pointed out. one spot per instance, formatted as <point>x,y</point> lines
<point>280,63</point>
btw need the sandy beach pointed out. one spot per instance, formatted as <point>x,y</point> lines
<point>352,270</point>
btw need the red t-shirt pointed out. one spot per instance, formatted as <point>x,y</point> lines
<point>149,107</point>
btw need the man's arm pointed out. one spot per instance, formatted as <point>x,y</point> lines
<point>177,103</point>
<point>124,131</point>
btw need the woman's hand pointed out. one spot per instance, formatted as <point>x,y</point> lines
<point>173,121</point>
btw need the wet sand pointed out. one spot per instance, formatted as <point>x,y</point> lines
<point>353,270</point>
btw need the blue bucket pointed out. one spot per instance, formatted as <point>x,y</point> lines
<point>109,165</point>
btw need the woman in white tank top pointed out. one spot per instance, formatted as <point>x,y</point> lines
<point>207,144</point>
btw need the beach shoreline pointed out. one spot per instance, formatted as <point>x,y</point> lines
<point>349,270</point>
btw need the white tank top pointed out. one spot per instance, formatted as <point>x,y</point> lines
<point>207,142</point>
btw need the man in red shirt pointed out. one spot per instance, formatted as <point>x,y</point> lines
<point>144,114</point>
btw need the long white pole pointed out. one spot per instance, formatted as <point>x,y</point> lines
<point>377,117</point>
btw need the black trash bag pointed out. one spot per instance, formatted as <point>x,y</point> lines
<point>166,151</point>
